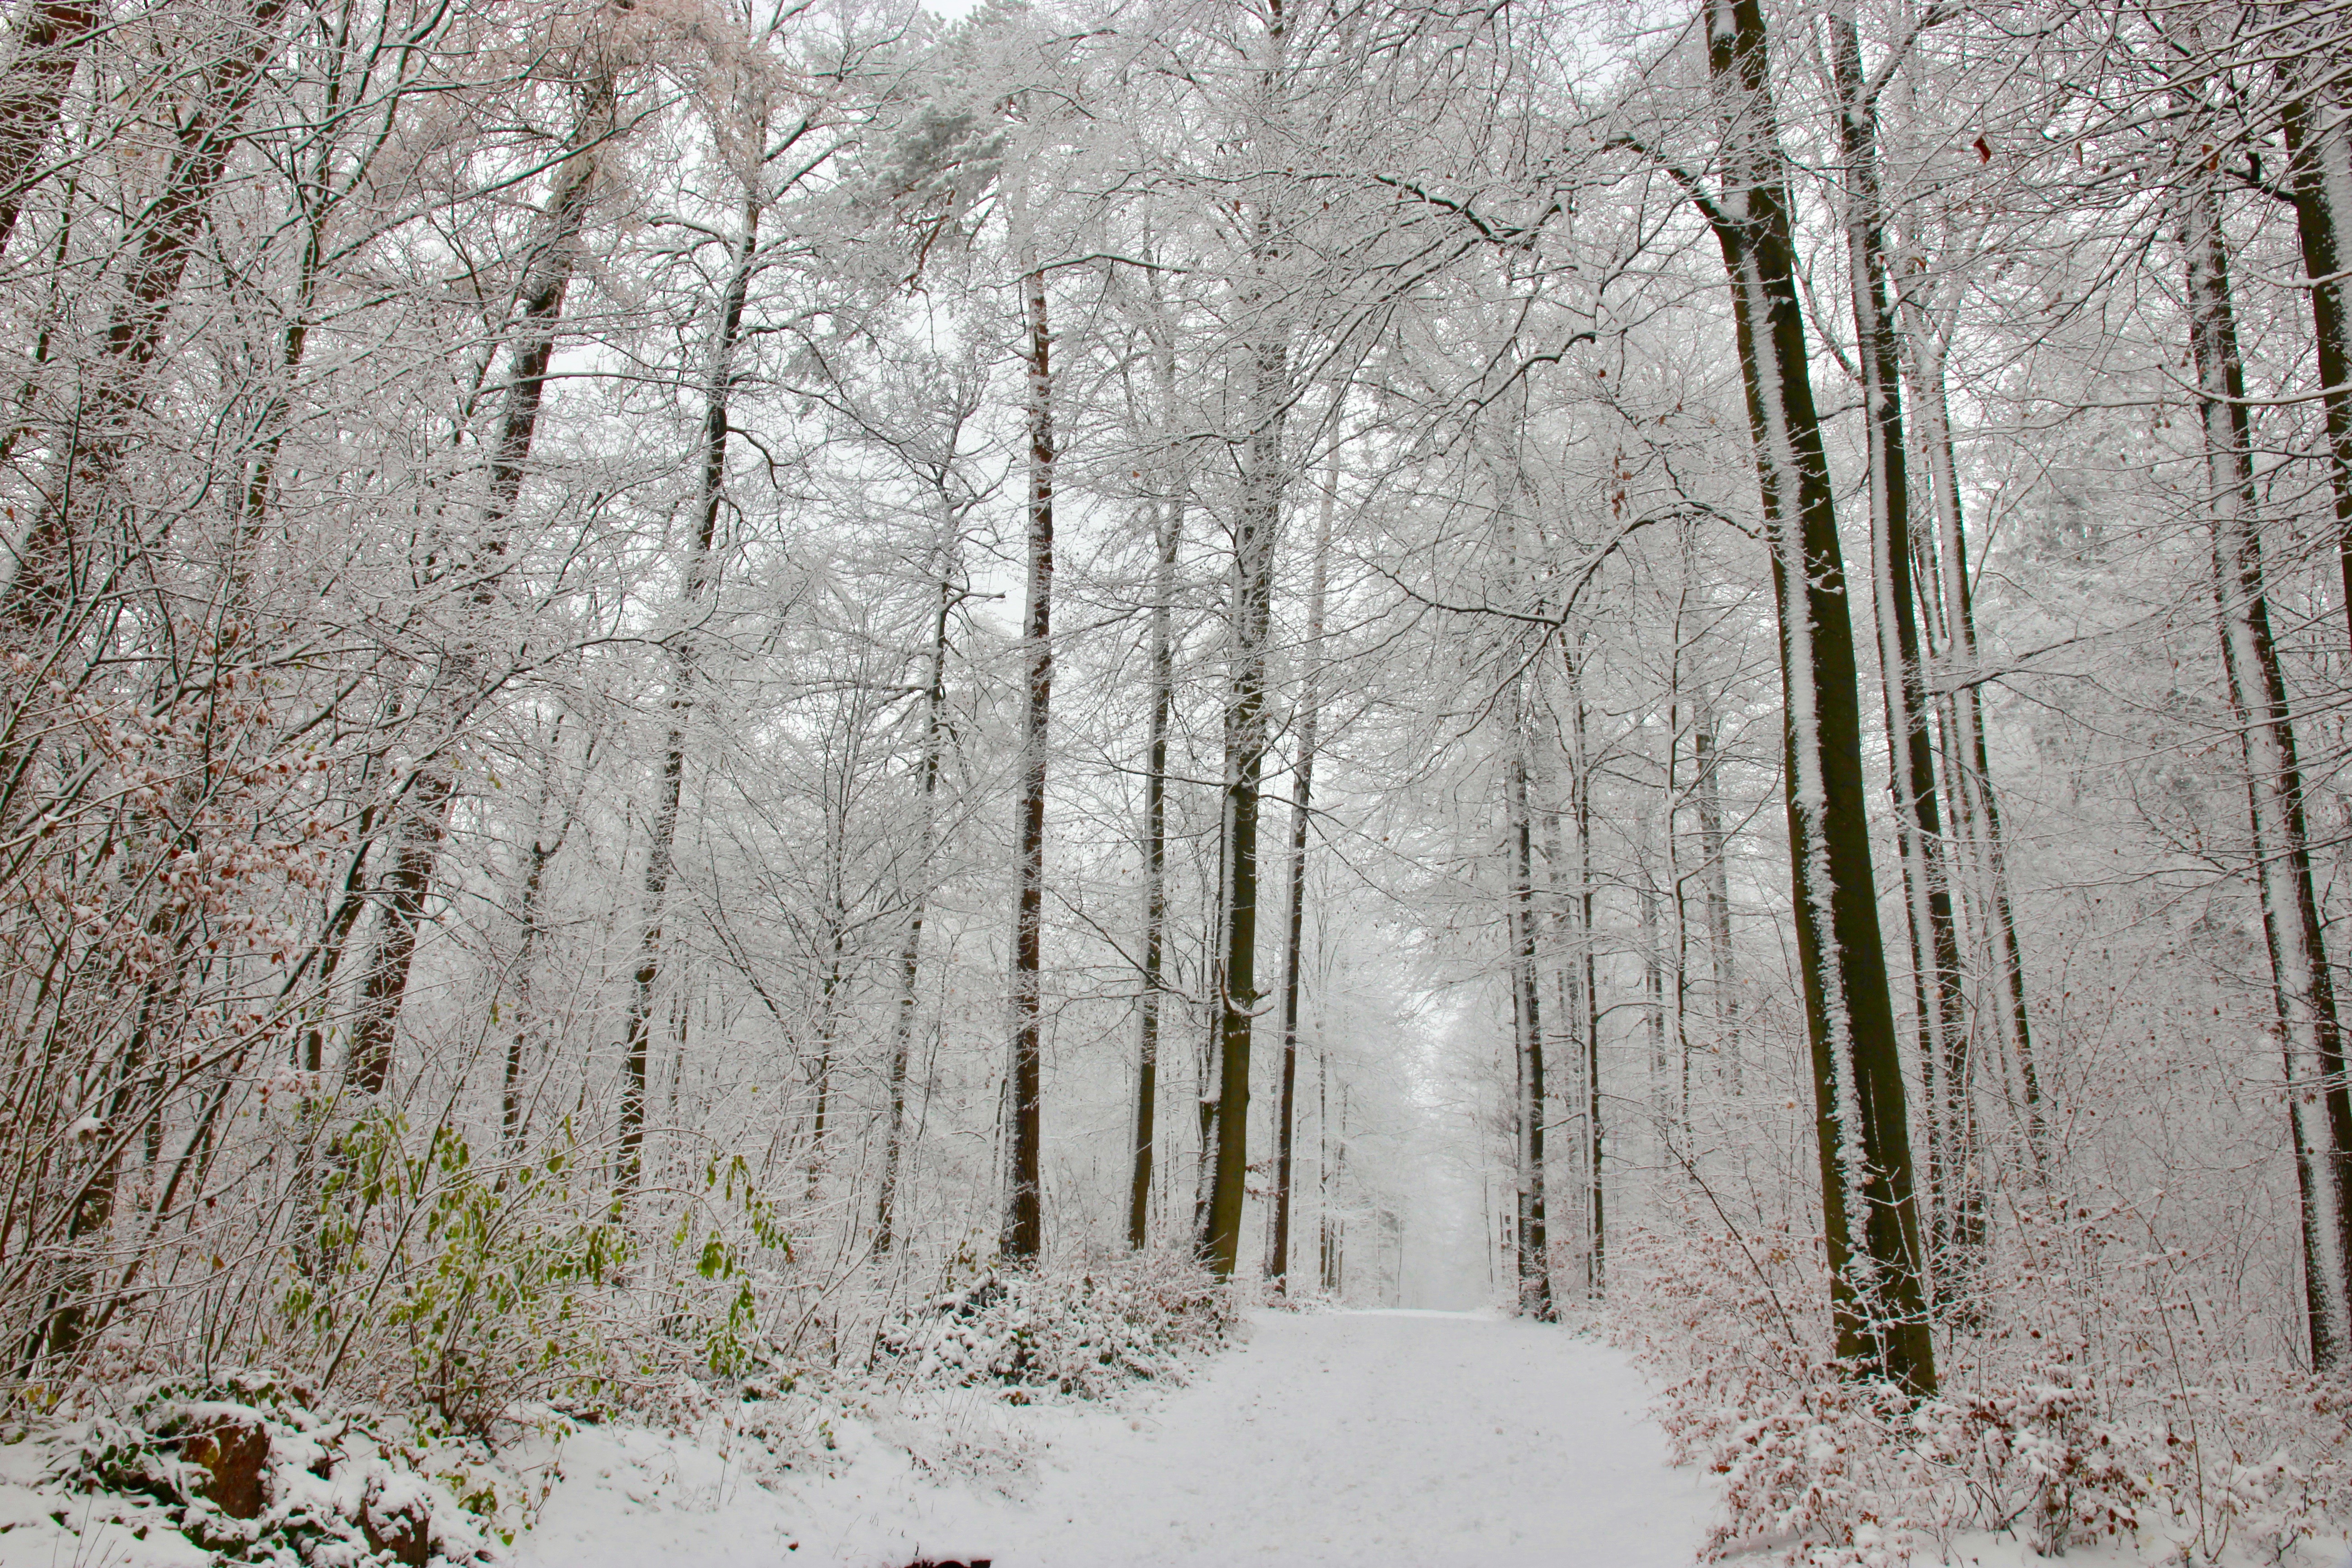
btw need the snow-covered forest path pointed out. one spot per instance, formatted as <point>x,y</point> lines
<point>1427,1438</point>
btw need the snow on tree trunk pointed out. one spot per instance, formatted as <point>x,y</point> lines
<point>1715,873</point>
<point>1535,1296</point>
<point>1978,805</point>
<point>1024,1217</point>
<point>1870,1216</point>
<point>1956,1228</point>
<point>660,856</point>
<point>2319,1110</point>
<point>1257,524</point>
<point>50,38</point>
<point>911,953</point>
<point>1251,613</point>
<point>50,557</point>
<point>1169,515</point>
<point>424,814</point>
<point>1302,798</point>
<point>2317,124</point>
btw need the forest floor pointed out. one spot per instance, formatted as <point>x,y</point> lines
<point>1429,1439</point>
<point>1422,1440</point>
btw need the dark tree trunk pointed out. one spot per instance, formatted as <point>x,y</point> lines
<point>1715,871</point>
<point>1870,1218</point>
<point>1302,799</point>
<point>828,1030</point>
<point>710,496</point>
<point>902,1037</point>
<point>1534,1249</point>
<point>1255,528</point>
<point>1955,1210</point>
<point>2319,1110</point>
<point>534,882</point>
<point>1582,964</point>
<point>1024,1223</point>
<point>1977,804</point>
<point>2318,128</point>
<point>46,564</point>
<point>1155,874</point>
<point>51,38</point>
<point>1252,612</point>
<point>425,811</point>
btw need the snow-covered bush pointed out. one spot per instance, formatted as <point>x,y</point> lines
<point>247,1469</point>
<point>1738,1330</point>
<point>2048,1426</point>
<point>1080,1333</point>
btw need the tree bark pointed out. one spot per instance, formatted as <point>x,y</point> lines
<point>2318,130</point>
<point>1955,1213</point>
<point>542,854</point>
<point>1251,618</point>
<point>1978,803</point>
<point>1870,1217</point>
<point>710,496</point>
<point>1715,872</point>
<point>1155,877</point>
<point>910,955</point>
<point>431,789</point>
<point>1169,516</point>
<point>1535,1295</point>
<point>1584,972</point>
<point>1024,1223</point>
<point>41,588</point>
<point>51,39</point>
<point>1302,798</point>
<point>2303,992</point>
<point>1258,522</point>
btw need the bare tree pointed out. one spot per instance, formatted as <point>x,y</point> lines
<point>2303,991</point>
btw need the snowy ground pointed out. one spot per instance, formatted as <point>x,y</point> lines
<point>1427,1438</point>
<point>1430,1439</point>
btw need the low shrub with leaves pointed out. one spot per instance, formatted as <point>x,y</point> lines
<point>464,1283</point>
<point>1082,1332</point>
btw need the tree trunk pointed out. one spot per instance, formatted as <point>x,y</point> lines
<point>1251,614</point>
<point>1715,872</point>
<point>1654,970</point>
<point>1323,1230</point>
<point>40,589</point>
<point>160,242</point>
<point>2318,129</point>
<point>541,855</point>
<point>902,1036</point>
<point>1979,807</point>
<point>710,496</point>
<point>1302,797</point>
<point>1169,517</point>
<point>1534,1249</point>
<point>2319,1110</point>
<point>1256,526</point>
<point>828,1031</point>
<point>1955,1222</point>
<point>1585,971</point>
<point>431,789</point>
<point>1870,1218</point>
<point>1024,1224</point>
<point>51,39</point>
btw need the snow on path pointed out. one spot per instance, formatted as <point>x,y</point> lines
<point>1423,1439</point>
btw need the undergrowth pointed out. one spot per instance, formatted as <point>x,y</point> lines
<point>2085,1401</point>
